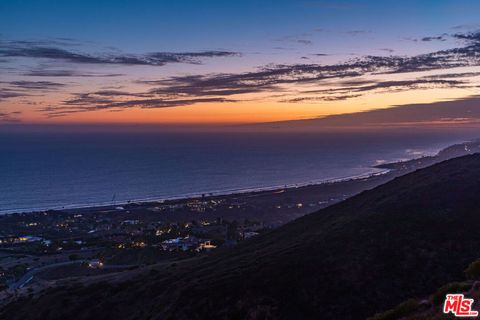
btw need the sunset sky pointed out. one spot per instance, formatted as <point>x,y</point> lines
<point>233,62</point>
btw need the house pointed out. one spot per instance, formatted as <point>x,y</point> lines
<point>23,239</point>
<point>249,234</point>
<point>183,244</point>
<point>95,264</point>
<point>206,245</point>
<point>173,244</point>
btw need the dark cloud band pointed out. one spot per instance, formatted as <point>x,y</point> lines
<point>27,49</point>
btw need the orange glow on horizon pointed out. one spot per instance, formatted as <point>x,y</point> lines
<point>247,112</point>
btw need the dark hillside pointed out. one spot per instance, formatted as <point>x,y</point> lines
<point>366,254</point>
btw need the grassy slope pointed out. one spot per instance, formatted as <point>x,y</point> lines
<point>366,254</point>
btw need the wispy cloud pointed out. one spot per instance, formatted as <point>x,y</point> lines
<point>270,78</point>
<point>353,33</point>
<point>67,73</point>
<point>454,75</point>
<point>434,38</point>
<point>22,88</point>
<point>389,50</point>
<point>348,92</point>
<point>293,83</point>
<point>472,37</point>
<point>357,32</point>
<point>29,49</point>
<point>103,101</point>
<point>118,93</point>
<point>36,85</point>
<point>303,38</point>
<point>466,26</point>
<point>9,116</point>
<point>338,97</point>
<point>346,81</point>
<point>6,93</point>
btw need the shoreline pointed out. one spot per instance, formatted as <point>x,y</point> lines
<point>384,171</point>
<point>214,193</point>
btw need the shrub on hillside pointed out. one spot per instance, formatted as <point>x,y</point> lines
<point>402,310</point>
<point>473,270</point>
<point>454,287</point>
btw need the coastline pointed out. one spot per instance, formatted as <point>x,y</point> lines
<point>198,195</point>
<point>382,172</point>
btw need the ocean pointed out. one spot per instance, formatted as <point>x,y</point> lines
<point>42,170</point>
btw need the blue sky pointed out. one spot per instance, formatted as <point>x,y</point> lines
<point>210,39</point>
<point>138,26</point>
